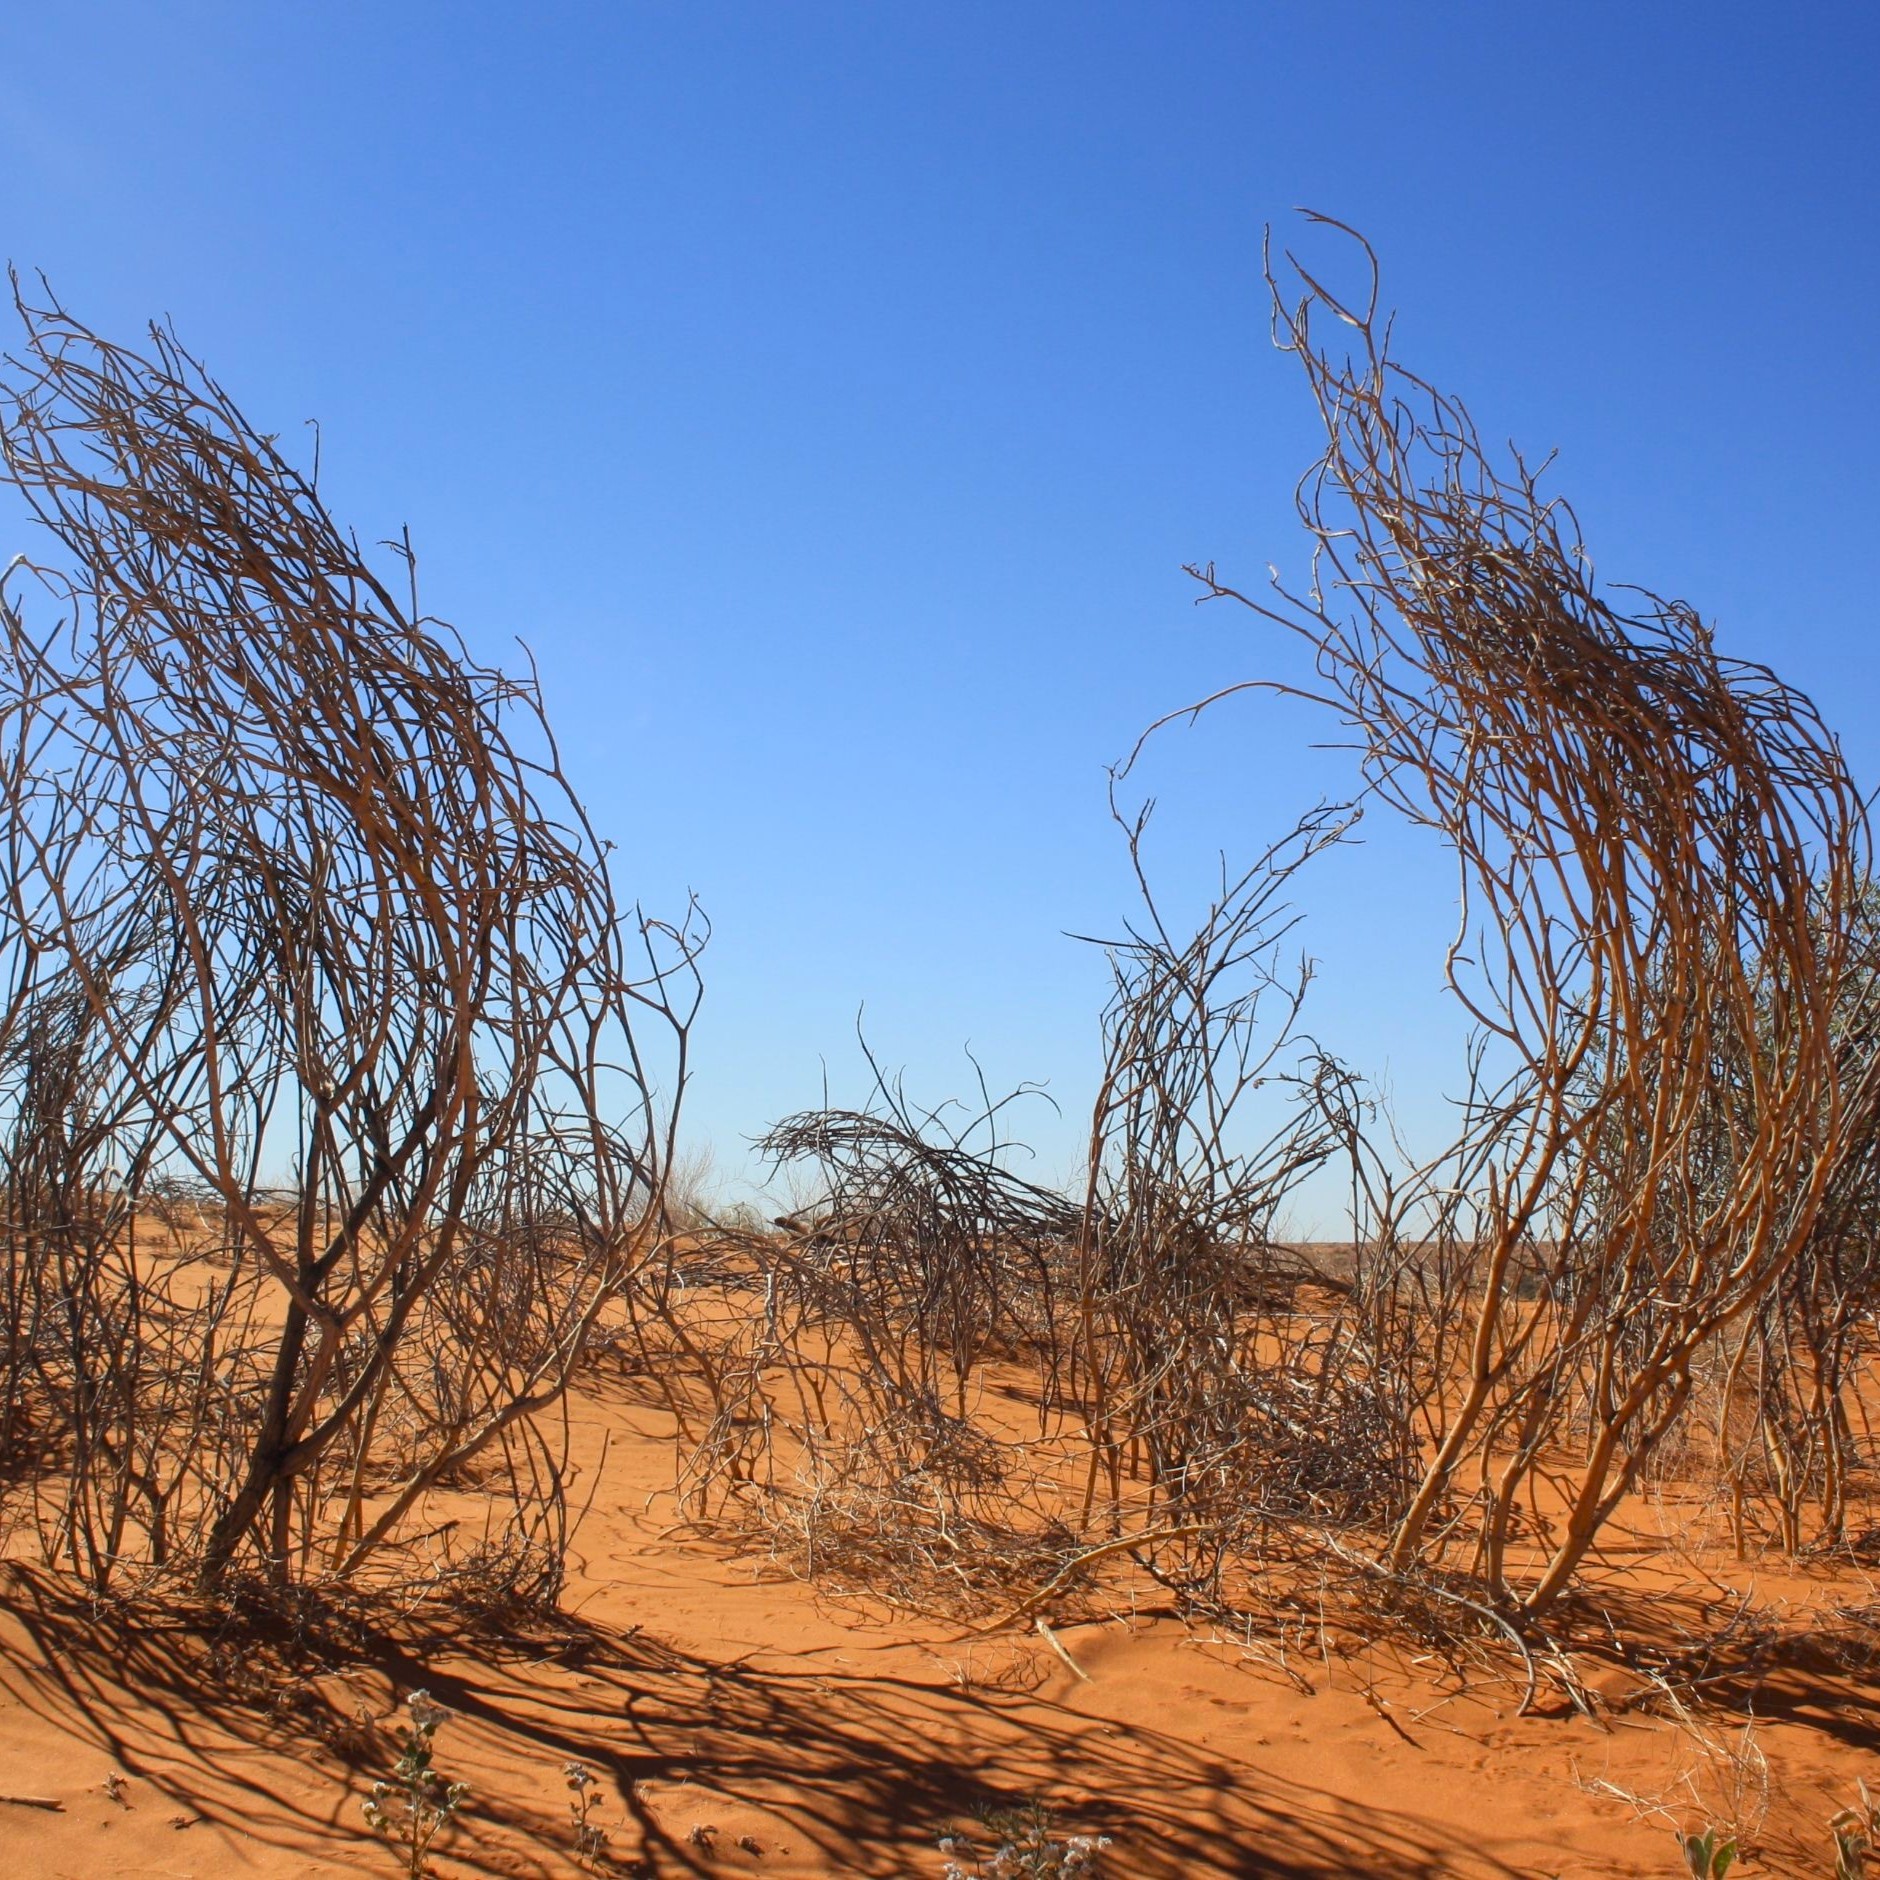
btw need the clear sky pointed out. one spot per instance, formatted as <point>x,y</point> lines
<point>830,394</point>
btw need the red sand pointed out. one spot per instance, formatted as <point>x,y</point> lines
<point>743,1724</point>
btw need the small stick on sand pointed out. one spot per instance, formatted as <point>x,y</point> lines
<point>1057,1645</point>
<point>33,1801</point>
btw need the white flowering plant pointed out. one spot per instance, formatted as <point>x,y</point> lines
<point>1024,1845</point>
<point>417,1804</point>
<point>590,1838</point>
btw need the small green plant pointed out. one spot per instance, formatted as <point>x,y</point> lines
<point>1706,1855</point>
<point>590,1838</point>
<point>1026,1846</point>
<point>1856,1832</point>
<point>416,1805</point>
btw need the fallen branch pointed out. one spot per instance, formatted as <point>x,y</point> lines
<point>1057,1645</point>
<point>1072,1568</point>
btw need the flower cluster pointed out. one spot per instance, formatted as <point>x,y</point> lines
<point>416,1805</point>
<point>590,1838</point>
<point>1027,1848</point>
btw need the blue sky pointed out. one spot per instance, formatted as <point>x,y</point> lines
<point>830,395</point>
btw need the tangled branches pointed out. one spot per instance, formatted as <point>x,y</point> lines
<point>292,889</point>
<point>832,1377</point>
<point>1220,1387</point>
<point>1660,851</point>
<point>940,1375</point>
<point>1660,1193</point>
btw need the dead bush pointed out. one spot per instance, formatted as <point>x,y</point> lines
<point>293,886</point>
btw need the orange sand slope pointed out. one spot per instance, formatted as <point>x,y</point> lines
<point>740,1724</point>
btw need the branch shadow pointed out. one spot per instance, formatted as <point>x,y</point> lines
<point>1816,1671</point>
<point>275,1726</point>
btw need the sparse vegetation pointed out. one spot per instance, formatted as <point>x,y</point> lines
<point>1656,1201</point>
<point>339,1099</point>
<point>590,1838</point>
<point>1709,1855</point>
<point>326,1131</point>
<point>1022,1843</point>
<point>1856,1833</point>
<point>417,1805</point>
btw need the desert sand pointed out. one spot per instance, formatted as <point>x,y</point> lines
<point>740,1720</point>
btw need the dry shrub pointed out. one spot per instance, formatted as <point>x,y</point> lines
<point>1792,1432</point>
<point>837,1390</point>
<point>292,886</point>
<point>1664,1174</point>
<point>1225,1388</point>
<point>938,1378</point>
<point>1661,854</point>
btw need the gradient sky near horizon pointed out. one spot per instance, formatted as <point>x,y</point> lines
<point>830,394</point>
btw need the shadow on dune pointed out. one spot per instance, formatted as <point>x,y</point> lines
<point>274,1726</point>
<point>1814,1668</point>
